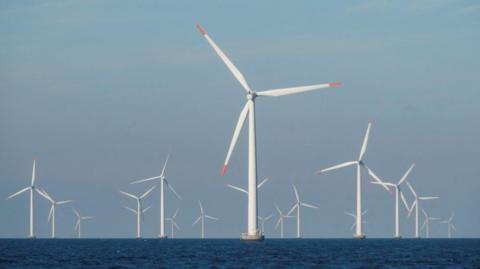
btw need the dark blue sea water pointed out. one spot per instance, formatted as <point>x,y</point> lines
<point>231,253</point>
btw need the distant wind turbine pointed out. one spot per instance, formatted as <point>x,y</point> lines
<point>450,225</point>
<point>31,188</point>
<point>355,217</point>
<point>426,223</point>
<point>416,205</point>
<point>281,217</point>
<point>78,224</point>
<point>252,233</point>
<point>262,222</point>
<point>51,215</point>
<point>358,163</point>
<point>202,219</point>
<point>298,204</point>
<point>163,180</point>
<point>140,210</point>
<point>173,222</point>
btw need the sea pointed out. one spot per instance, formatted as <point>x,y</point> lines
<point>233,253</point>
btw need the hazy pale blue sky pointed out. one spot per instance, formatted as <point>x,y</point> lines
<point>101,91</point>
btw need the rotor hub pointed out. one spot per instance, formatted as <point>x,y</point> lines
<point>251,96</point>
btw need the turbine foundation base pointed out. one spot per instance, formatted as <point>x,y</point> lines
<point>162,237</point>
<point>397,237</point>
<point>361,236</point>
<point>252,237</point>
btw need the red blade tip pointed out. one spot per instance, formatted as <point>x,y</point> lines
<point>370,120</point>
<point>335,84</point>
<point>224,170</point>
<point>201,30</point>
<point>318,172</point>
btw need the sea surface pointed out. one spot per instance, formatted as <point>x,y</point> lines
<point>232,253</point>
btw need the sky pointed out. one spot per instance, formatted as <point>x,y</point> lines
<point>101,91</point>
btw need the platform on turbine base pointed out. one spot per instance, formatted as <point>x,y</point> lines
<point>162,237</point>
<point>252,237</point>
<point>31,237</point>
<point>356,236</point>
<point>397,237</point>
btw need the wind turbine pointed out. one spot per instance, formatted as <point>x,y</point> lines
<point>78,225</point>
<point>426,223</point>
<point>51,215</point>
<point>398,192</point>
<point>416,205</point>
<point>163,180</point>
<point>173,221</point>
<point>355,217</point>
<point>297,206</point>
<point>252,233</point>
<point>202,219</point>
<point>140,210</point>
<point>359,163</point>
<point>281,217</point>
<point>262,222</point>
<point>31,188</point>
<point>450,225</point>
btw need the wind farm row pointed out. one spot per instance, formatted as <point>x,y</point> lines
<point>256,232</point>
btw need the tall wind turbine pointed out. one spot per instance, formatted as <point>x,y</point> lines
<point>297,206</point>
<point>262,222</point>
<point>416,206</point>
<point>78,225</point>
<point>281,217</point>
<point>140,210</point>
<point>252,233</point>
<point>355,217</point>
<point>51,215</point>
<point>173,222</point>
<point>398,192</point>
<point>426,223</point>
<point>358,163</point>
<point>163,180</point>
<point>450,225</point>
<point>31,188</point>
<point>202,219</point>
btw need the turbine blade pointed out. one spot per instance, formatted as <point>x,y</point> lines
<point>428,198</point>
<point>236,134</point>
<point>411,189</point>
<point>173,190</point>
<point>291,210</point>
<point>77,224</point>
<point>364,212</point>
<point>146,209</point>
<point>263,182</point>
<point>353,225</point>
<point>201,207</point>
<point>375,177</point>
<point>164,166</point>
<point>423,225</point>
<point>269,217</point>
<point>19,192</point>
<point>308,205</point>
<point>175,214</point>
<point>197,221</point>
<point>64,202</point>
<point>406,174</point>
<point>345,164</point>
<point>278,209</point>
<point>76,212</point>
<point>88,217</point>
<point>278,222</point>
<point>410,210</point>
<point>365,142</point>
<point>237,188</point>
<point>350,214</point>
<point>453,227</point>
<point>404,201</point>
<point>129,195</point>
<point>130,209</point>
<point>296,193</point>
<point>299,89</point>
<point>176,226</point>
<point>145,180</point>
<point>44,194</point>
<point>451,216</point>
<point>147,192</point>
<point>210,217</point>
<point>236,73</point>
<point>33,171</point>
<point>50,213</point>
<point>424,213</point>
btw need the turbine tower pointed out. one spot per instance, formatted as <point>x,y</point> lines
<point>281,217</point>
<point>416,206</point>
<point>426,223</point>
<point>202,219</point>
<point>359,163</point>
<point>398,192</point>
<point>297,206</point>
<point>450,225</point>
<point>173,222</point>
<point>140,210</point>
<point>78,225</point>
<point>262,222</point>
<point>163,181</point>
<point>31,188</point>
<point>252,233</point>
<point>51,215</point>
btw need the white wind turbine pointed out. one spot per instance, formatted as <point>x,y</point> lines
<point>426,223</point>
<point>358,163</point>
<point>450,225</point>
<point>173,222</point>
<point>51,215</point>
<point>262,222</point>
<point>78,225</point>
<point>297,206</point>
<point>252,233</point>
<point>163,180</point>
<point>416,206</point>
<point>355,217</point>
<point>31,188</point>
<point>281,217</point>
<point>202,219</point>
<point>398,193</point>
<point>140,210</point>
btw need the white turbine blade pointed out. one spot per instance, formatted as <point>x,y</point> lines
<point>175,214</point>
<point>308,205</point>
<point>146,209</point>
<point>33,172</point>
<point>173,190</point>
<point>44,193</point>
<point>423,225</point>
<point>76,212</point>
<point>199,218</point>
<point>451,216</point>
<point>383,184</point>
<point>176,226</point>
<point>296,193</point>
<point>130,209</point>
<point>64,202</point>
<point>364,212</point>
<point>406,174</point>
<point>129,195</point>
<point>201,207</point>
<point>453,227</point>
<point>443,221</point>
<point>236,134</point>
<point>236,73</point>
<point>428,198</point>
<point>146,179</point>
<point>263,182</point>
<point>87,217</point>
<point>164,166</point>
<point>237,188</point>
<point>19,192</point>
<point>278,209</point>
<point>291,210</point>
<point>350,214</point>
<point>353,225</point>
<point>299,89</point>
<point>50,213</point>
<point>77,224</point>
<point>404,201</point>
<point>365,142</point>
<point>411,188</point>
<point>374,176</point>
<point>147,192</point>
<point>278,222</point>
<point>410,210</point>
<point>434,218</point>
<point>338,166</point>
<point>267,218</point>
<point>210,217</point>
<point>424,213</point>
